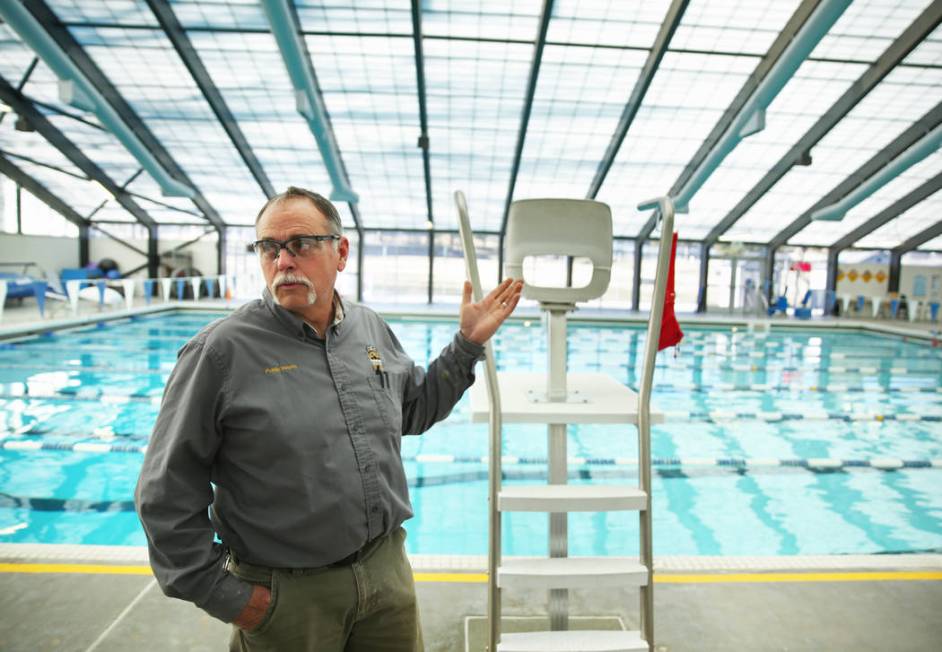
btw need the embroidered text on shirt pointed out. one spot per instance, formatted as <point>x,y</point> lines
<point>280,368</point>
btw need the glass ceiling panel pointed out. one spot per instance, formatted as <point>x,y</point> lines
<point>361,17</point>
<point>369,89</point>
<point>111,211</point>
<point>814,88</point>
<point>904,96</point>
<point>250,74</point>
<point>30,145</point>
<point>145,188</point>
<point>150,76</point>
<point>475,93</point>
<point>167,215</point>
<point>606,22</point>
<point>905,182</point>
<point>689,94</point>
<point>82,196</point>
<point>929,52</point>
<point>491,19</point>
<point>94,141</point>
<point>117,12</point>
<point>741,26</point>
<point>224,14</point>
<point>931,245</point>
<point>109,155</point>
<point>867,27</point>
<point>919,217</point>
<point>15,56</point>
<point>580,96</point>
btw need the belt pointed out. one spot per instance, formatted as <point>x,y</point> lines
<point>353,557</point>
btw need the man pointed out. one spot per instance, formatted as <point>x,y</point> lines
<point>279,433</point>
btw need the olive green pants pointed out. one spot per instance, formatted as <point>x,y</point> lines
<point>366,606</point>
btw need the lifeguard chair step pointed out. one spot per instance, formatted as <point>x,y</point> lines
<point>573,641</point>
<point>571,573</point>
<point>561,498</point>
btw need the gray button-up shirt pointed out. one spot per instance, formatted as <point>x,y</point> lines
<point>284,445</point>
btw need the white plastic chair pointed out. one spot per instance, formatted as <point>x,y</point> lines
<point>560,227</point>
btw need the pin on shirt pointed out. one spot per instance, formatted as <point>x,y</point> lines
<point>373,354</point>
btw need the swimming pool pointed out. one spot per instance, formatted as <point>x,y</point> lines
<point>798,442</point>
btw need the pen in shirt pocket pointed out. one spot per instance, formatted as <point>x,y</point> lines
<point>377,362</point>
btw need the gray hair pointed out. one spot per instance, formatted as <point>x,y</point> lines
<point>322,203</point>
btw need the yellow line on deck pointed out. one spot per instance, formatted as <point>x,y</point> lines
<point>467,578</point>
<point>830,576</point>
<point>480,578</point>
<point>85,569</point>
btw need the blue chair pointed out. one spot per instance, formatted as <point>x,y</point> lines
<point>780,305</point>
<point>18,285</point>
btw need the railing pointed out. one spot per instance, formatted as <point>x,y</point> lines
<point>665,211</point>
<point>495,425</point>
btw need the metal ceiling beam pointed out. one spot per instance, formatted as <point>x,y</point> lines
<point>423,112</point>
<point>8,169</point>
<point>918,152</point>
<point>24,107</point>
<point>884,157</point>
<point>181,43</point>
<point>733,119</point>
<point>423,137</point>
<point>738,110</point>
<point>891,212</point>
<point>913,242</point>
<point>893,55</point>
<point>538,46</point>
<point>671,20</point>
<point>128,117</point>
<point>310,104</point>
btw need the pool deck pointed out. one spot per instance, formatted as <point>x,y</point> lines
<point>24,319</point>
<point>64,599</point>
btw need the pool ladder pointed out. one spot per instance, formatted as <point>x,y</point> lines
<point>569,228</point>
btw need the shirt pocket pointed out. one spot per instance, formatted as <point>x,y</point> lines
<point>387,401</point>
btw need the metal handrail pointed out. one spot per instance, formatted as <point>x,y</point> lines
<point>494,451</point>
<point>665,210</point>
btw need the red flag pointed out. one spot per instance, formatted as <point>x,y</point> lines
<point>670,329</point>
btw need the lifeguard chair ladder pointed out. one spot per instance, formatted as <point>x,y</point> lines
<point>538,227</point>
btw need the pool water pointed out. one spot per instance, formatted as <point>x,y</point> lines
<point>737,465</point>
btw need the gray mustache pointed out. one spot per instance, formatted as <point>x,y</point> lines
<point>281,279</point>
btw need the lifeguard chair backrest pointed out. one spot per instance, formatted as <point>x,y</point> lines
<point>560,227</point>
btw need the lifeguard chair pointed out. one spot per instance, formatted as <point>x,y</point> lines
<point>578,228</point>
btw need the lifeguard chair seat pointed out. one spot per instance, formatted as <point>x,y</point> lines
<point>560,227</point>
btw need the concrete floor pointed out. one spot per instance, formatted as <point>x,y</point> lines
<point>85,611</point>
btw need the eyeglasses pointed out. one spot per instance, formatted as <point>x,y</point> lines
<point>301,246</point>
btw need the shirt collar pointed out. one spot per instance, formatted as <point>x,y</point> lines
<point>295,323</point>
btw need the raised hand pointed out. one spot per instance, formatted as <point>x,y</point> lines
<point>479,321</point>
